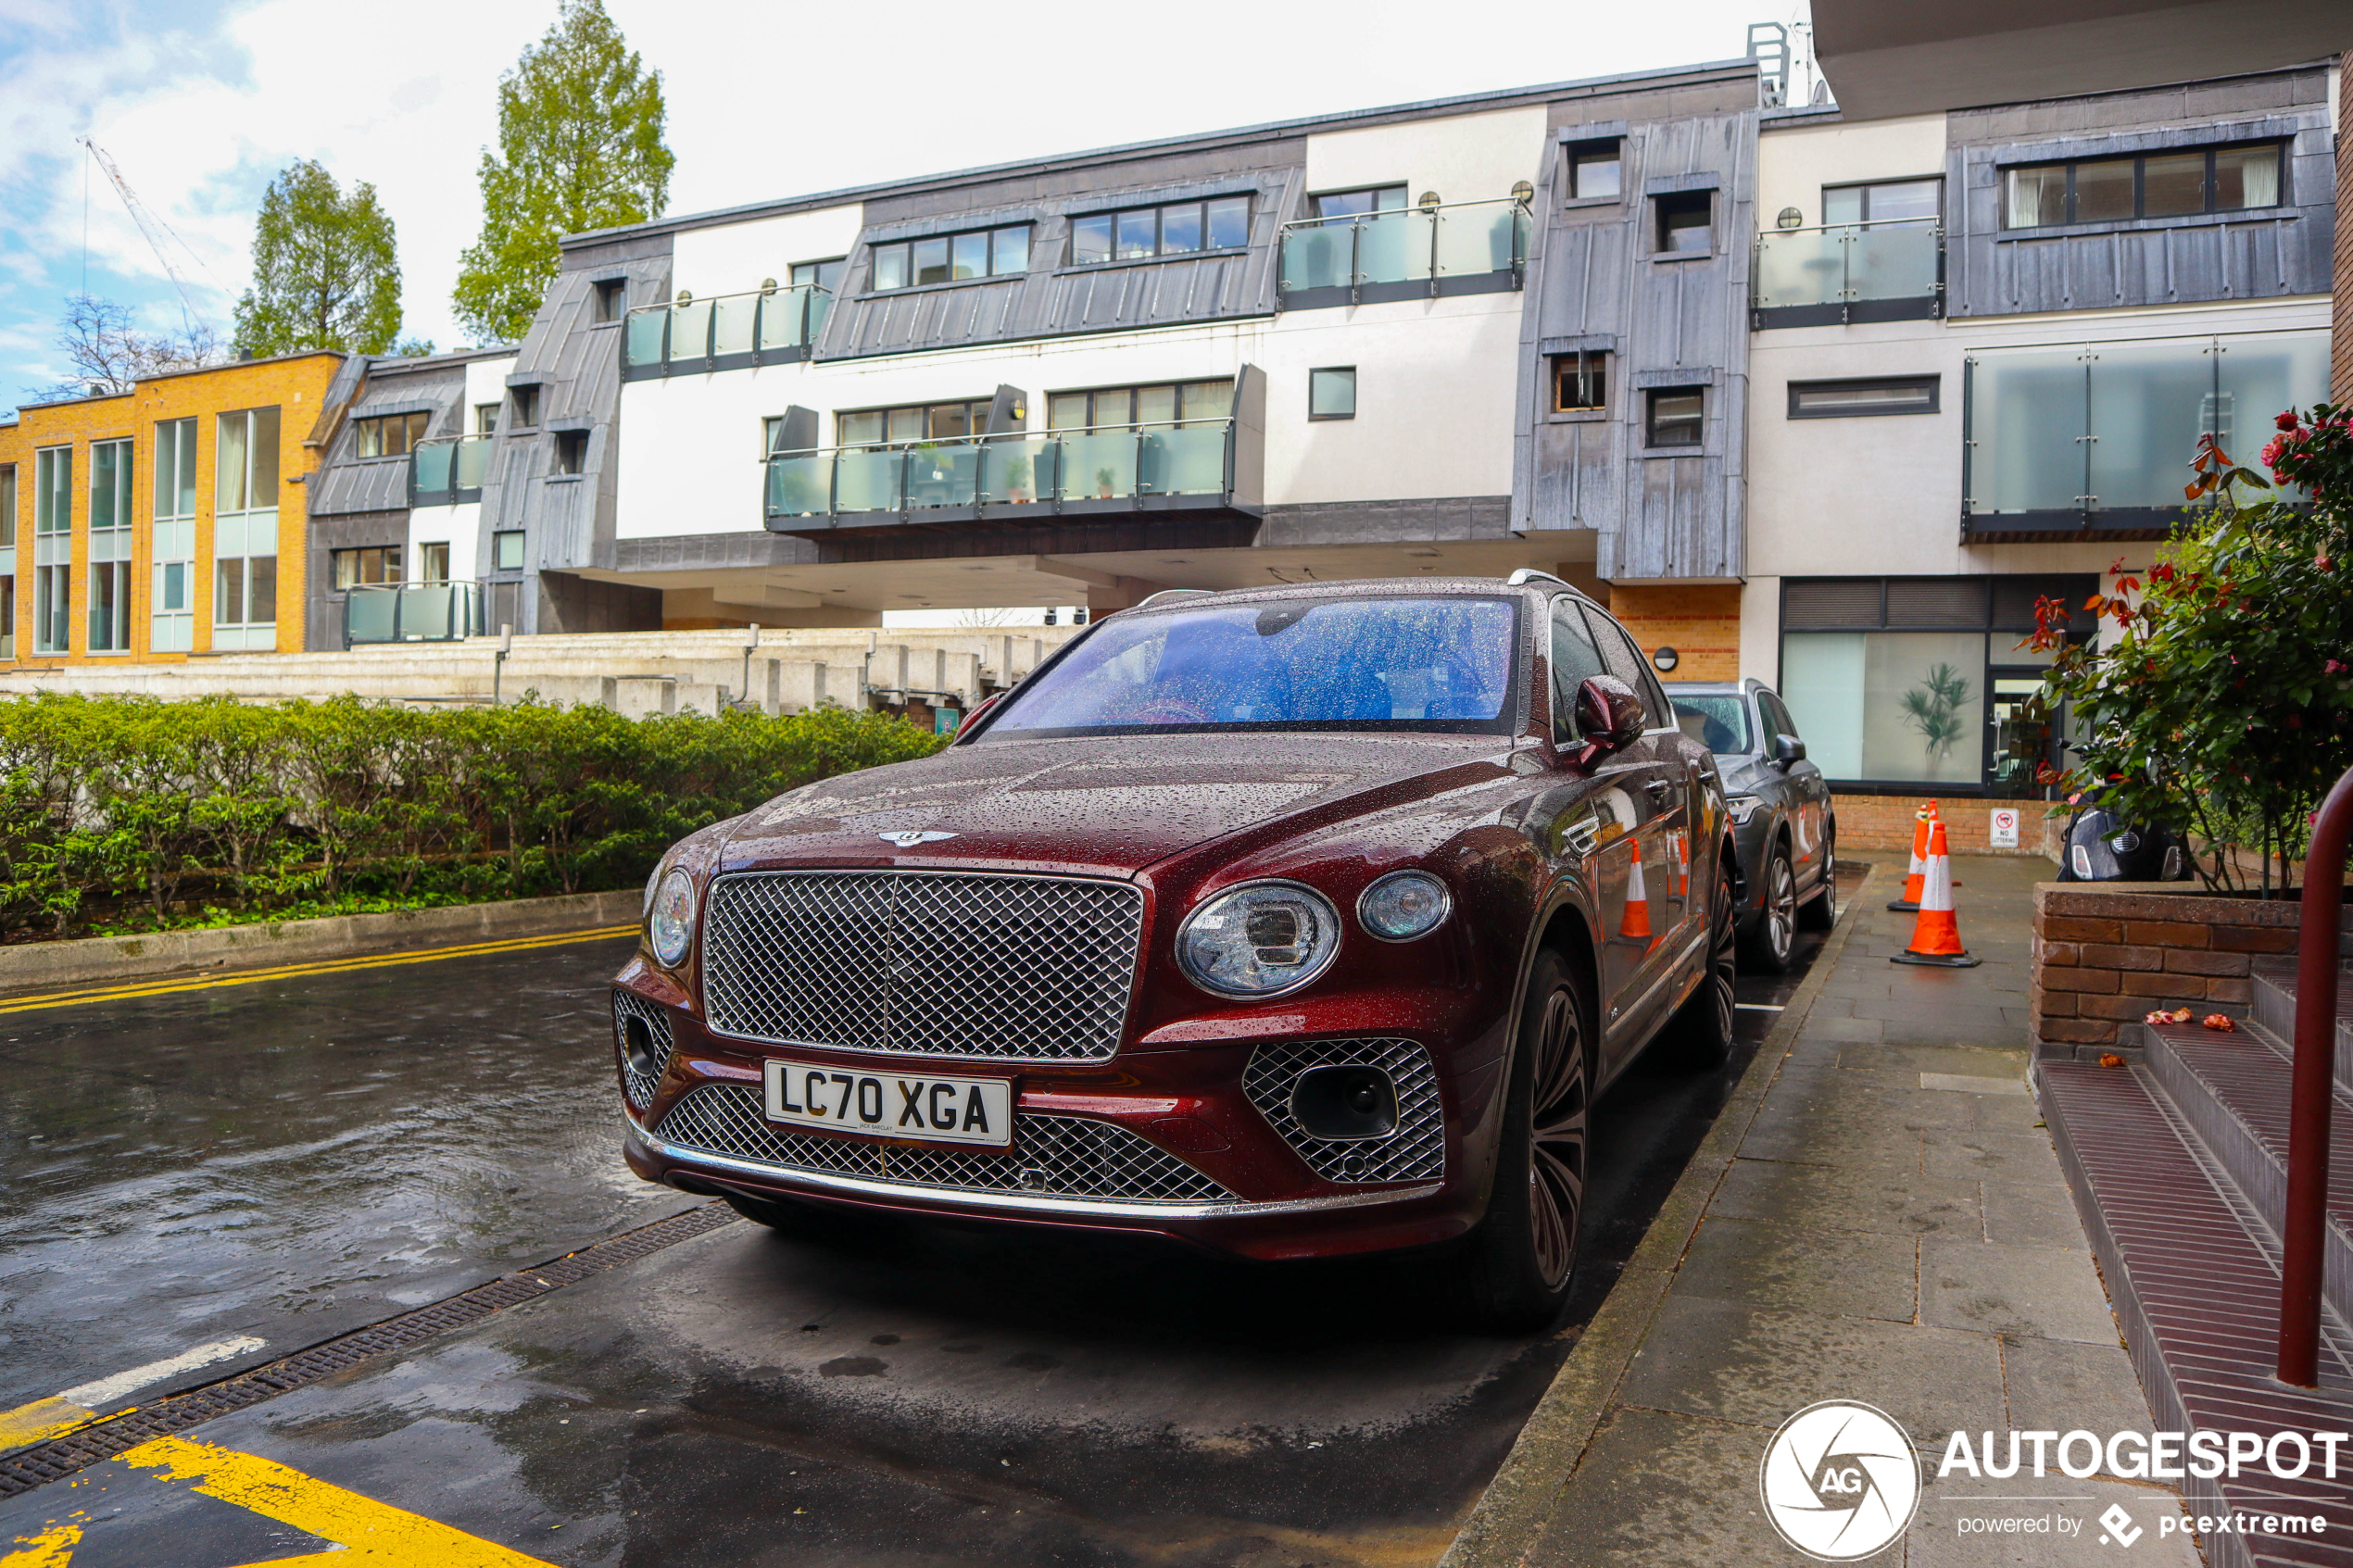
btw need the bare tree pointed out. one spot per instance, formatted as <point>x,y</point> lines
<point>985,618</point>
<point>110,353</point>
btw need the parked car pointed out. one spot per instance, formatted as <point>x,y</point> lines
<point>1782,815</point>
<point>1292,922</point>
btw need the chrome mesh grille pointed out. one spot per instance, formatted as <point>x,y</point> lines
<point>1052,1156</point>
<point>948,964</point>
<point>1416,1151</point>
<point>627,1005</point>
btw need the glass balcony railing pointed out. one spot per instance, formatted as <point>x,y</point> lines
<point>1055,471</point>
<point>446,469</point>
<point>690,335</point>
<point>1853,272</point>
<point>411,612</point>
<point>1399,253</point>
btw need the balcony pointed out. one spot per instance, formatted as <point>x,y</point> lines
<point>411,612</point>
<point>728,332</point>
<point>2093,441</point>
<point>1834,277</point>
<point>1199,466</point>
<point>446,469</point>
<point>1416,253</point>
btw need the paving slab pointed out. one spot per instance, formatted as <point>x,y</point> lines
<point>1841,1197</point>
<point>2047,1291</point>
<point>1764,1263</point>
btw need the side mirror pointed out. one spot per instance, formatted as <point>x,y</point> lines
<point>1610,716</point>
<point>974,712</point>
<point>1788,751</point>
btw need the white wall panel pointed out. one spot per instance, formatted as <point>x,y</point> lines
<point>1793,166</point>
<point>1464,159</point>
<point>735,257</point>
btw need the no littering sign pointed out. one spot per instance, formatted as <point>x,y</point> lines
<point>2004,827</point>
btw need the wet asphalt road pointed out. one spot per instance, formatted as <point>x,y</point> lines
<point>292,1159</point>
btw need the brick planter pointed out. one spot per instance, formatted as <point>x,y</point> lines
<point>2106,953</point>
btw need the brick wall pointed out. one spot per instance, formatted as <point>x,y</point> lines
<point>1700,622</point>
<point>2106,955</point>
<point>1884,823</point>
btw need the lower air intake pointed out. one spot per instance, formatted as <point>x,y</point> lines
<point>1415,1152</point>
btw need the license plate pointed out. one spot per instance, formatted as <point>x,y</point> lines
<point>892,1105</point>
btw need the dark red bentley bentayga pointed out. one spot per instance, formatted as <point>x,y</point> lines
<point>1291,922</point>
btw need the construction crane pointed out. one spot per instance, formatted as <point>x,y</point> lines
<point>156,231</point>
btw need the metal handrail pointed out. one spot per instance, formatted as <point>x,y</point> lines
<point>1055,495</point>
<point>1357,222</point>
<point>919,442</point>
<point>1858,224</point>
<point>715,298</point>
<point>2304,1223</point>
<point>1399,212</point>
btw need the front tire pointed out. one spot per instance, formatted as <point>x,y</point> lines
<point>1700,1036</point>
<point>1522,1260</point>
<point>1775,936</point>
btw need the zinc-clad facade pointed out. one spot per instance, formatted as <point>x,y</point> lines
<point>164,521</point>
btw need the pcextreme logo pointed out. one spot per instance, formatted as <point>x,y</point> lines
<point>1840,1480</point>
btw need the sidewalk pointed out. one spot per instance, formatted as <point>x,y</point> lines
<point>1878,1217</point>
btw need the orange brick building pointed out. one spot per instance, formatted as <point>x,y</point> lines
<point>164,521</point>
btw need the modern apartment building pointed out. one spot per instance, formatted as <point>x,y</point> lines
<point>163,521</point>
<point>1825,398</point>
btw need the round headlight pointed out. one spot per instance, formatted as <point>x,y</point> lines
<point>671,924</point>
<point>1259,940</point>
<point>1403,905</point>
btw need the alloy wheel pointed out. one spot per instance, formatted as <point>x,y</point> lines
<point>1723,944</point>
<point>1557,1153</point>
<point>1780,907</point>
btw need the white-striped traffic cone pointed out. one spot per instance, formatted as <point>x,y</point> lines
<point>1936,936</point>
<point>1911,897</point>
<point>1636,926</point>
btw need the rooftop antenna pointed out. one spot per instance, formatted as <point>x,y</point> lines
<point>1768,47</point>
<point>153,228</point>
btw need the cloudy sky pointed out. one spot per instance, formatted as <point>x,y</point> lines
<point>201,101</point>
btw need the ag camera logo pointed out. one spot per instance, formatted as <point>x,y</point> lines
<point>1840,1481</point>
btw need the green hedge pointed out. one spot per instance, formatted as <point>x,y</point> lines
<point>124,813</point>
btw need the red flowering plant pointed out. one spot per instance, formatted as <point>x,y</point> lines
<point>2219,699</point>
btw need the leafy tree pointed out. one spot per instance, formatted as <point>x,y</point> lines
<point>110,353</point>
<point>325,269</point>
<point>2225,701</point>
<point>580,148</point>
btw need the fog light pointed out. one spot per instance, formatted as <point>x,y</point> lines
<point>637,1047</point>
<point>1345,1104</point>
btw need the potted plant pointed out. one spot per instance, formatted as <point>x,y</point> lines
<point>1017,471</point>
<point>1102,485</point>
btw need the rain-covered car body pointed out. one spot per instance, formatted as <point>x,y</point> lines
<point>1010,910</point>
<point>1779,800</point>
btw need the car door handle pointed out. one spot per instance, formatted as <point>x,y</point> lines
<point>1658,788</point>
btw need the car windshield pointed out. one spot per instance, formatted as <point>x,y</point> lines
<point>1442,664</point>
<point>1718,721</point>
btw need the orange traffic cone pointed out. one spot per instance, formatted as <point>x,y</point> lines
<point>1911,896</point>
<point>1636,926</point>
<point>1936,936</point>
<point>1682,865</point>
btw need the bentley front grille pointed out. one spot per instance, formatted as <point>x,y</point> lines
<point>1052,1156</point>
<point>1415,1152</point>
<point>925,963</point>
<point>639,1080</point>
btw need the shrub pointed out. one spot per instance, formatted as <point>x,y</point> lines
<point>135,813</point>
<point>2225,701</point>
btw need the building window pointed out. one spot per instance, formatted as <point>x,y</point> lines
<point>825,275</point>
<point>2157,185</point>
<point>364,566</point>
<point>390,436</point>
<point>611,298</point>
<point>52,548</point>
<point>244,467</point>
<point>1887,201</point>
<point>506,550</point>
<point>1117,408</point>
<point>914,421</point>
<point>1581,381</point>
<point>1675,415</point>
<point>1359,204</point>
<point>485,419</point>
<point>572,451</point>
<point>109,542</point>
<point>433,561</point>
<point>524,401</point>
<point>244,530</point>
<point>1331,393</point>
<point>1876,394</point>
<point>1174,228</point>
<point>1921,681</point>
<point>1594,169</point>
<point>7,561</point>
<point>1685,222</point>
<point>949,258</point>
<point>171,619</point>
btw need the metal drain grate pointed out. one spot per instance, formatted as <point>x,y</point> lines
<point>61,1457</point>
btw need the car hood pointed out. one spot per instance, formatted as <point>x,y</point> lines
<point>1105,804</point>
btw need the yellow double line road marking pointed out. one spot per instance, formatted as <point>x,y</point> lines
<point>169,986</point>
